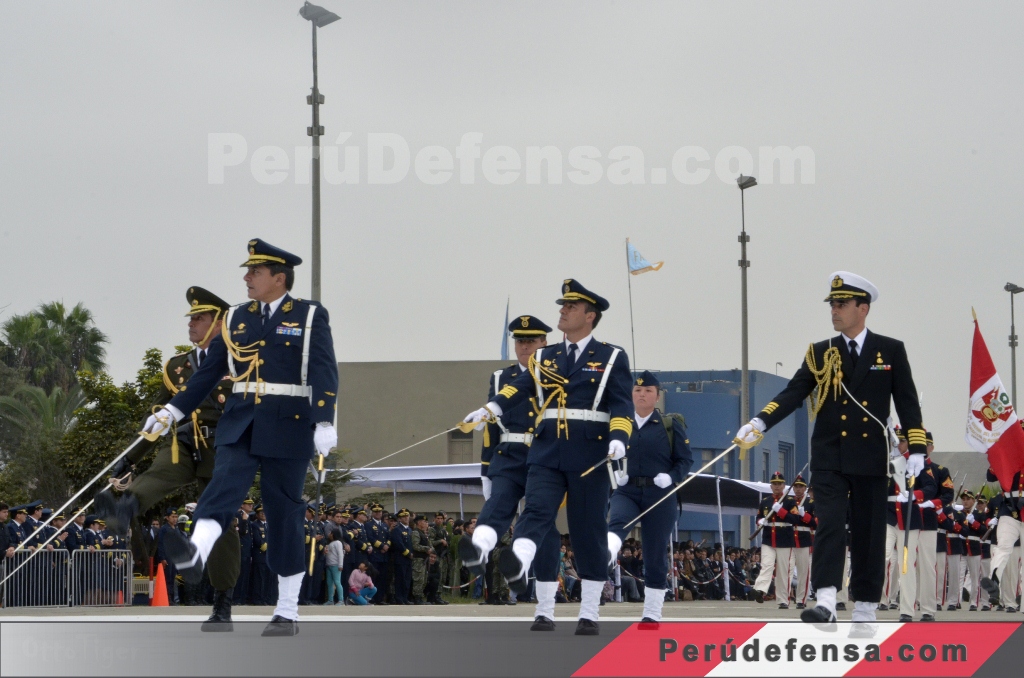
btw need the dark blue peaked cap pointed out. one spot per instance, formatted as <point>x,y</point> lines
<point>263,254</point>
<point>528,327</point>
<point>646,379</point>
<point>573,291</point>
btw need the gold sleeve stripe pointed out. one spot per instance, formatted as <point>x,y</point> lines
<point>770,407</point>
<point>508,391</point>
<point>621,424</point>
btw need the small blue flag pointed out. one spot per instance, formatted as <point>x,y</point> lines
<point>637,263</point>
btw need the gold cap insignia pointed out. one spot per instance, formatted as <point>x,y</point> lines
<point>251,243</point>
<point>195,302</point>
<point>252,250</point>
<point>837,282</point>
<point>526,320</point>
<point>640,381</point>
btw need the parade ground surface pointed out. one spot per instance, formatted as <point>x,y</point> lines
<point>694,639</point>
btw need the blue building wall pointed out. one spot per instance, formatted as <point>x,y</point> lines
<point>710,401</point>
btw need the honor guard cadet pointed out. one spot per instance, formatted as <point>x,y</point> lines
<point>974,528</point>
<point>378,535</point>
<point>185,457</point>
<point>659,457</point>
<point>279,353</point>
<point>802,520</point>
<point>776,542</point>
<point>954,523</point>
<point>928,546</point>
<point>913,504</point>
<point>504,472</point>
<point>582,388</point>
<point>852,378</point>
<point>1006,520</point>
<point>986,553</point>
<point>401,549</point>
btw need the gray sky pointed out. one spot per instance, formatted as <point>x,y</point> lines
<point>912,111</point>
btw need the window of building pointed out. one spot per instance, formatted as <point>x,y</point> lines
<point>460,448</point>
<point>766,470</point>
<point>786,460</point>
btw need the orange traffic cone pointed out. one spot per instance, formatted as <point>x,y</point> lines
<point>160,590</point>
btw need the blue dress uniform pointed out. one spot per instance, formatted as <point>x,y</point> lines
<point>504,464</point>
<point>31,523</point>
<point>286,382</point>
<point>241,591</point>
<point>378,536</point>
<point>401,548</point>
<point>652,452</point>
<point>777,542</point>
<point>263,584</point>
<point>584,406</point>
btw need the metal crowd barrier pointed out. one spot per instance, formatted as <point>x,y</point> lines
<point>58,579</point>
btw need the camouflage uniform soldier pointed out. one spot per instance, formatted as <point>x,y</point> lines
<point>421,550</point>
<point>440,540</point>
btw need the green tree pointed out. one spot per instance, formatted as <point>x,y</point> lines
<point>29,406</point>
<point>52,343</point>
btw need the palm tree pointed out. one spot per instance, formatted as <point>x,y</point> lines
<point>52,344</point>
<point>30,406</point>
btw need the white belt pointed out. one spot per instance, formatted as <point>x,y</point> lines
<point>942,531</point>
<point>1015,493</point>
<point>974,539</point>
<point>585,415</point>
<point>802,529</point>
<point>263,388</point>
<point>780,523</point>
<point>894,499</point>
<point>526,438</point>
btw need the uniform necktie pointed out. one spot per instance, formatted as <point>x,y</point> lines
<point>202,358</point>
<point>266,314</point>
<point>853,352</point>
<point>573,350</point>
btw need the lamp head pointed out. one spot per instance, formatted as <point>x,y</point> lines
<point>745,182</point>
<point>318,15</point>
<point>1013,289</point>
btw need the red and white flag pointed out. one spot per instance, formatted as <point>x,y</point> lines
<point>992,424</point>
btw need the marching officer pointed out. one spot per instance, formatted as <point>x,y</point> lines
<point>280,355</point>
<point>504,474</point>
<point>401,550</point>
<point>659,458</point>
<point>854,376</point>
<point>1006,519</point>
<point>802,520</point>
<point>583,417</point>
<point>776,542</point>
<point>186,456</point>
<point>379,537</point>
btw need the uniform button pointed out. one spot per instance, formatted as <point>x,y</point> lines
<point>600,438</point>
<point>844,434</point>
<point>320,403</point>
<point>296,416</point>
<point>261,361</point>
<point>843,417</point>
<point>865,435</point>
<point>864,403</point>
<point>287,343</point>
<point>844,402</point>
<point>263,343</point>
<point>591,381</point>
<point>258,401</point>
<point>530,415</point>
<point>561,426</point>
<point>865,419</point>
<point>531,430</point>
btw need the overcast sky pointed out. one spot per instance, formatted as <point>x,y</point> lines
<point>912,113</point>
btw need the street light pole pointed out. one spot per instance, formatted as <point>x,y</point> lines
<point>1013,289</point>
<point>317,17</point>
<point>744,183</point>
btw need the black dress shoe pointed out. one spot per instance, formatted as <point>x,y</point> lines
<point>512,569</point>
<point>759,596</point>
<point>820,616</point>
<point>472,558</point>
<point>894,606</point>
<point>991,588</point>
<point>951,608</point>
<point>185,556</point>
<point>1011,609</point>
<point>972,608</point>
<point>800,606</point>
<point>927,617</point>
<point>279,626</point>
<point>124,513</point>
<point>541,623</point>
<point>648,624</point>
<point>783,606</point>
<point>906,618</point>
<point>585,627</point>
<point>840,607</point>
<point>220,620</point>
<point>882,607</point>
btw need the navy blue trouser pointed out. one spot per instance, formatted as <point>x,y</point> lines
<point>281,482</point>
<point>403,579</point>
<point>500,509</point>
<point>656,528</point>
<point>586,508</point>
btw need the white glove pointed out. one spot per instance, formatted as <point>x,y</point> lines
<point>761,522</point>
<point>616,450</point>
<point>482,415</point>
<point>915,464</point>
<point>800,511</point>
<point>160,422</point>
<point>970,519</point>
<point>993,522</point>
<point>927,504</point>
<point>325,438</point>
<point>902,497</point>
<point>776,507</point>
<point>958,507</point>
<point>746,432</point>
<point>621,477</point>
<point>663,480</point>
<point>940,513</point>
<point>486,482</point>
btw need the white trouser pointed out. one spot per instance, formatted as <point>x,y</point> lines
<point>1010,577</point>
<point>774,562</point>
<point>940,578</point>
<point>1008,531</point>
<point>546,599</point>
<point>926,570</point>
<point>893,563</point>
<point>953,585</point>
<point>802,564</point>
<point>908,579</point>
<point>843,596</point>
<point>974,569</point>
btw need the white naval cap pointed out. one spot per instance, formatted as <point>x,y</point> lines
<point>846,285</point>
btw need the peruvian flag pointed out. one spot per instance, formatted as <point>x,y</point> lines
<point>992,424</point>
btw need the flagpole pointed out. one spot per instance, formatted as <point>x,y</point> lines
<point>629,280</point>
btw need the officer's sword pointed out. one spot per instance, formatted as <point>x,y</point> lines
<point>319,499</point>
<point>906,525</point>
<point>679,485</point>
<point>88,485</point>
<point>785,493</point>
